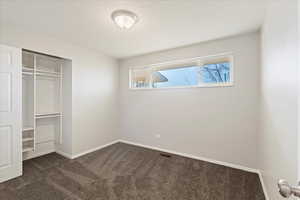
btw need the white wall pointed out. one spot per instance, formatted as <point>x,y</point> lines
<point>278,132</point>
<point>67,128</point>
<point>216,123</point>
<point>94,86</point>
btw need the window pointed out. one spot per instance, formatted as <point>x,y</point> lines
<point>205,72</point>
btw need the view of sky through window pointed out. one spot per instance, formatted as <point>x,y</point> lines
<point>187,76</point>
<point>193,76</point>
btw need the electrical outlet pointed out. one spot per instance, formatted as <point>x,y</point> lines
<point>157,135</point>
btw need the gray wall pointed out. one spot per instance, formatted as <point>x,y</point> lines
<point>215,123</point>
<point>95,86</point>
<point>278,133</point>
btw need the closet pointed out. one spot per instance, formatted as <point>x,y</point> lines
<point>42,103</point>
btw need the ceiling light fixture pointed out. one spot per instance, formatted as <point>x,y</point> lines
<point>124,19</point>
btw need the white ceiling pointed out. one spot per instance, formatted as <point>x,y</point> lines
<point>163,24</point>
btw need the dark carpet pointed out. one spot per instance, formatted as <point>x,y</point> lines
<point>126,172</point>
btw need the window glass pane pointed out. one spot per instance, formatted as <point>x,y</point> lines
<point>179,77</point>
<point>215,73</point>
<point>206,72</point>
<point>140,78</point>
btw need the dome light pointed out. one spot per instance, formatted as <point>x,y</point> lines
<point>124,18</point>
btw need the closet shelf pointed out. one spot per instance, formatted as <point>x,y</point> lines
<point>47,75</point>
<point>27,149</point>
<point>27,73</point>
<point>26,68</point>
<point>28,129</point>
<point>45,141</point>
<point>47,72</point>
<point>47,115</point>
<point>27,139</point>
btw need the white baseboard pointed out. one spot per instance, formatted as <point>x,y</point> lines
<point>194,157</point>
<point>93,149</point>
<point>64,154</point>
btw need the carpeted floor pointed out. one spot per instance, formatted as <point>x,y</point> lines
<point>126,172</point>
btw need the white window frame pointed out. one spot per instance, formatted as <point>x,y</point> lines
<point>229,55</point>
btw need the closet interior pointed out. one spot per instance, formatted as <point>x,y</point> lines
<point>43,110</point>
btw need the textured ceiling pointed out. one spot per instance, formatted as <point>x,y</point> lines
<point>163,24</point>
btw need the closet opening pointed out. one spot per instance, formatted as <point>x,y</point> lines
<point>46,104</point>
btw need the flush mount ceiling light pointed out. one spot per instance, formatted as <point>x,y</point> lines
<point>124,19</point>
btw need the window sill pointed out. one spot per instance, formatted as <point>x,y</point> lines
<point>187,87</point>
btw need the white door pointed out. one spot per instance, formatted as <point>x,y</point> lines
<point>10,113</point>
